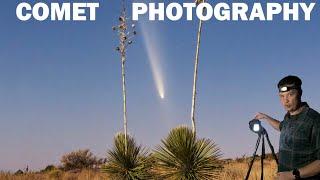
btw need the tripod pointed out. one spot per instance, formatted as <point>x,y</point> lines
<point>261,135</point>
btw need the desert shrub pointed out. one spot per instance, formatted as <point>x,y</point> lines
<point>48,168</point>
<point>19,172</point>
<point>79,160</point>
<point>55,174</point>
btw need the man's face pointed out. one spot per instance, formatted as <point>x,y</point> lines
<point>290,100</point>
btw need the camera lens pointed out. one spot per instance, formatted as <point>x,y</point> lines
<point>255,126</point>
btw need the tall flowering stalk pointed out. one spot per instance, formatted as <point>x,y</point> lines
<point>195,74</point>
<point>126,32</point>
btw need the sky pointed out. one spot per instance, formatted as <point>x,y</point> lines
<point>60,82</point>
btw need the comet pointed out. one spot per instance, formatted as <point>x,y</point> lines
<point>154,56</point>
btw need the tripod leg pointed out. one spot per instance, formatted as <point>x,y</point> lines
<point>254,156</point>
<point>263,153</point>
<point>271,147</point>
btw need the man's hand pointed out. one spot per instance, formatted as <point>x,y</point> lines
<point>286,176</point>
<point>273,122</point>
<point>262,116</point>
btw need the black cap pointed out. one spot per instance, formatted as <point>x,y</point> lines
<point>289,82</point>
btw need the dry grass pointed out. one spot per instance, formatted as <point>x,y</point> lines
<point>238,170</point>
<point>233,170</point>
<point>56,175</point>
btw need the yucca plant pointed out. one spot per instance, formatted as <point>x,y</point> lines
<point>185,157</point>
<point>136,163</point>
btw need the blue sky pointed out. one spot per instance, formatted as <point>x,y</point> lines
<point>60,82</point>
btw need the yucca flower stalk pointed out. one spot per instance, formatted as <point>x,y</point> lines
<point>195,73</point>
<point>126,32</point>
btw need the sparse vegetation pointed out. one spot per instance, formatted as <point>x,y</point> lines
<point>232,170</point>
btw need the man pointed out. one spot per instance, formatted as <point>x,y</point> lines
<point>299,146</point>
